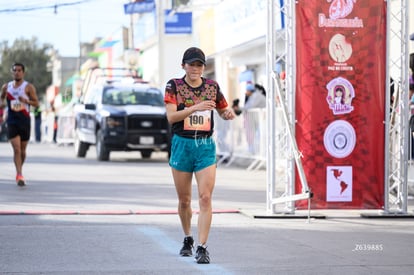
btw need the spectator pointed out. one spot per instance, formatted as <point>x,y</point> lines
<point>55,123</point>
<point>3,133</point>
<point>38,123</point>
<point>255,98</point>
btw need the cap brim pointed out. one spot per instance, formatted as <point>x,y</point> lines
<point>188,61</point>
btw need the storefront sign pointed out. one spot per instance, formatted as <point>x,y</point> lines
<point>139,7</point>
<point>178,22</point>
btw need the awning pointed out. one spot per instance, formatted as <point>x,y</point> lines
<point>246,76</point>
<point>71,79</point>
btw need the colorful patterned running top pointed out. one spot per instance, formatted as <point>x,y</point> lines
<point>199,124</point>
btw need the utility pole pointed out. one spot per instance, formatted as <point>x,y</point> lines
<point>79,40</point>
<point>161,37</point>
<point>131,30</point>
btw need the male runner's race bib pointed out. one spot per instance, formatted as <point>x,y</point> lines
<point>198,121</point>
<point>16,105</point>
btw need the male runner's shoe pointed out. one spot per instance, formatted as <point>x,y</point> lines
<point>20,180</point>
<point>202,255</point>
<point>187,249</point>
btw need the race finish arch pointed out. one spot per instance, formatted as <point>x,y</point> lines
<point>337,98</point>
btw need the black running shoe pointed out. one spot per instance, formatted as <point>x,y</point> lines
<point>187,249</point>
<point>202,255</point>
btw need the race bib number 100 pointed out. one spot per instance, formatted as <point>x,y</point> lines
<point>198,121</point>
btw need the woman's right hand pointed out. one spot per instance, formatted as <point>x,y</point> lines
<point>205,105</point>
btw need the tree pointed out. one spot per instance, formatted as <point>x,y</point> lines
<point>35,59</point>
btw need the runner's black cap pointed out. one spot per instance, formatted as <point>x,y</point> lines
<point>194,54</point>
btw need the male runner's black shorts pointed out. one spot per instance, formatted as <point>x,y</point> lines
<point>22,130</point>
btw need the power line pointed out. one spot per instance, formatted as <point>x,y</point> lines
<point>41,7</point>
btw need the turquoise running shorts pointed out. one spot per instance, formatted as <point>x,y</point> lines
<point>192,155</point>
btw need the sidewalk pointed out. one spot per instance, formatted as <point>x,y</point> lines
<point>237,189</point>
<point>60,183</point>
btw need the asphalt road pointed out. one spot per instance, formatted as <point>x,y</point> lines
<point>81,216</point>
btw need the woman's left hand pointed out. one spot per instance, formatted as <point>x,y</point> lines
<point>228,114</point>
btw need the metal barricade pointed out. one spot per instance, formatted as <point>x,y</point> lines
<point>65,129</point>
<point>242,138</point>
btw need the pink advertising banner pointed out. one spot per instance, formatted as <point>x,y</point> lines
<point>340,101</point>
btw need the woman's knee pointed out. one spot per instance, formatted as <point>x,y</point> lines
<point>205,200</point>
<point>185,203</point>
<point>17,150</point>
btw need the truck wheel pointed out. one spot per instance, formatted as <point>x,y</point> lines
<point>102,153</point>
<point>146,154</point>
<point>80,147</point>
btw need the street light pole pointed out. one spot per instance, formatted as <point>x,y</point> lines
<point>79,40</point>
<point>131,30</point>
<point>161,70</point>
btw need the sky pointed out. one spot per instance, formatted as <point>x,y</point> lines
<point>75,21</point>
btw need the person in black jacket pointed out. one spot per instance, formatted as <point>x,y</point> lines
<point>38,123</point>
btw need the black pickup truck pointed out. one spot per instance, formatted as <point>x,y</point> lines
<point>121,116</point>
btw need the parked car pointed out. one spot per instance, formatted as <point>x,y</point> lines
<point>122,115</point>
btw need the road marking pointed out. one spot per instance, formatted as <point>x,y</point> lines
<point>172,246</point>
<point>106,212</point>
